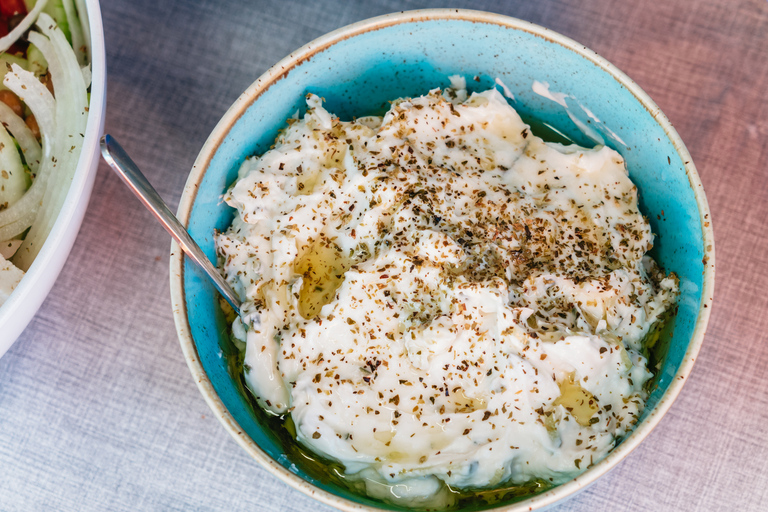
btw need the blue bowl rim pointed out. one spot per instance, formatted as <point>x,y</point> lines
<point>280,71</point>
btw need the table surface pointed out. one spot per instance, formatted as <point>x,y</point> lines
<point>97,408</point>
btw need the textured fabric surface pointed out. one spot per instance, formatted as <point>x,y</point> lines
<point>97,408</point>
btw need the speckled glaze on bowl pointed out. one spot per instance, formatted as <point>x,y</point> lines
<point>358,69</point>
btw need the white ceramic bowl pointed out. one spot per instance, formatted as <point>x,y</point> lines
<point>26,299</point>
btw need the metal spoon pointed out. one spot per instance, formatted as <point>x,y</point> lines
<point>129,172</point>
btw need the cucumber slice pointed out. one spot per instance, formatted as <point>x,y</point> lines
<point>13,179</point>
<point>37,63</point>
<point>55,9</point>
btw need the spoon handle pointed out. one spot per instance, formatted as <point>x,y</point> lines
<point>129,172</point>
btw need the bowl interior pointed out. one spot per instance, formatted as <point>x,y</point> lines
<point>359,75</point>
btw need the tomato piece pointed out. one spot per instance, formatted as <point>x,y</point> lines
<point>10,8</point>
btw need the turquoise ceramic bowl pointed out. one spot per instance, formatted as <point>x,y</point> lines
<point>358,69</point>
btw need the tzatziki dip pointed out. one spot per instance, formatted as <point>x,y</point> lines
<point>441,300</point>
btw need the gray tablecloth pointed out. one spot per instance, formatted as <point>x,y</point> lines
<point>97,408</point>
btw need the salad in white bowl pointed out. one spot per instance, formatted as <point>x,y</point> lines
<point>52,80</point>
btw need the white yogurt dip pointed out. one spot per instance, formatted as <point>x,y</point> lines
<point>440,299</point>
